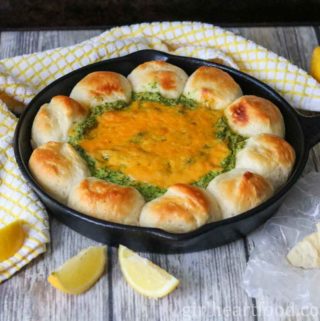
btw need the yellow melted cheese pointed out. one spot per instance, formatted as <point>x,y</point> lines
<point>157,144</point>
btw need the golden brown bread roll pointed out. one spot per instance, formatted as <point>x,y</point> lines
<point>212,87</point>
<point>158,77</point>
<point>251,115</point>
<point>267,155</point>
<point>54,120</point>
<point>57,167</point>
<point>100,88</point>
<point>238,191</point>
<point>181,209</point>
<point>106,201</point>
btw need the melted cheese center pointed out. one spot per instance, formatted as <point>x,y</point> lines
<point>157,144</point>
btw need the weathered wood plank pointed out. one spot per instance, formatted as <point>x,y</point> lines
<point>224,272</point>
<point>27,296</point>
<point>316,149</point>
<point>210,284</point>
<point>210,280</point>
<point>23,42</point>
<point>295,44</point>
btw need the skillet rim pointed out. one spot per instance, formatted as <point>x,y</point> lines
<point>154,54</point>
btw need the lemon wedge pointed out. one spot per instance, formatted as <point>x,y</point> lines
<point>79,273</point>
<point>12,237</point>
<point>144,276</point>
<point>315,64</point>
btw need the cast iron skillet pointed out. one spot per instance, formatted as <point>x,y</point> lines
<point>301,132</point>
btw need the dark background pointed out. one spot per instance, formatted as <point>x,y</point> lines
<point>102,13</point>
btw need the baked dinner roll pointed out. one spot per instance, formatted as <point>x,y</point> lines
<point>100,88</point>
<point>267,155</point>
<point>158,77</point>
<point>106,201</point>
<point>238,191</point>
<point>251,115</point>
<point>212,87</point>
<point>54,120</point>
<point>181,209</point>
<point>57,167</point>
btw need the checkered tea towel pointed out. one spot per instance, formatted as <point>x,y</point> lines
<point>22,77</point>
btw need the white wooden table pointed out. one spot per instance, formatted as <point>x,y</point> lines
<point>210,280</point>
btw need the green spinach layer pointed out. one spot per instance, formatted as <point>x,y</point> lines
<point>156,97</point>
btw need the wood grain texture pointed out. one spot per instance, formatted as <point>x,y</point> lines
<point>295,44</point>
<point>210,280</point>
<point>28,296</point>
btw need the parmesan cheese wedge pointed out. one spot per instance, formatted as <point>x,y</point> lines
<point>306,253</point>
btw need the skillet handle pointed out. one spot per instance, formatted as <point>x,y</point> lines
<point>311,129</point>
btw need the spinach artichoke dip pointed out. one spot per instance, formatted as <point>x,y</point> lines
<point>151,145</point>
<point>159,148</point>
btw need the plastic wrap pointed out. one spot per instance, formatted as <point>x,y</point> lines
<point>268,272</point>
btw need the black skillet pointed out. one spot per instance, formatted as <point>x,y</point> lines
<point>301,132</point>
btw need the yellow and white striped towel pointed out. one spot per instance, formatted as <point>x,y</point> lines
<point>22,77</point>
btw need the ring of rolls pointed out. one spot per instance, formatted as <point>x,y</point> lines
<point>262,166</point>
